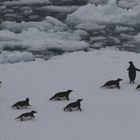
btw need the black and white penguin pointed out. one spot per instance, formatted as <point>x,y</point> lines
<point>132,72</point>
<point>0,84</point>
<point>21,104</point>
<point>26,116</point>
<point>138,87</point>
<point>112,83</point>
<point>74,106</point>
<point>61,95</point>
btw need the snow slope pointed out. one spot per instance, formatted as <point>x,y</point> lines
<point>108,114</point>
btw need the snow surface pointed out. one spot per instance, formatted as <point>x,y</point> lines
<point>108,114</point>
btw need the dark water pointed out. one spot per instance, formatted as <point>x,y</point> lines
<point>36,11</point>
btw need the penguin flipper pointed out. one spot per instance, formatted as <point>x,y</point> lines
<point>137,69</point>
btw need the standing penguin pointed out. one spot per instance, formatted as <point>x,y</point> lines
<point>132,72</point>
<point>74,106</point>
<point>26,116</point>
<point>64,95</point>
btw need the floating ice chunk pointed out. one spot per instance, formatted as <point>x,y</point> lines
<point>14,57</point>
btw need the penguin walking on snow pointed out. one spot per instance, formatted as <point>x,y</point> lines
<point>21,104</point>
<point>74,106</point>
<point>26,116</point>
<point>61,95</point>
<point>132,72</point>
<point>112,83</point>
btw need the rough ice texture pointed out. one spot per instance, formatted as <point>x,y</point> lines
<point>41,36</point>
<point>21,2</point>
<point>104,14</point>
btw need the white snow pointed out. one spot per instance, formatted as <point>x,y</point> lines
<point>107,114</point>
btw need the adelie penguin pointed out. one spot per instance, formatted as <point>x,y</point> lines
<point>112,83</point>
<point>74,106</point>
<point>61,95</point>
<point>21,104</point>
<point>0,84</point>
<point>26,116</point>
<point>132,72</point>
<point>138,87</point>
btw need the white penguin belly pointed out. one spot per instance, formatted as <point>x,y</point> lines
<point>22,107</point>
<point>74,108</point>
<point>61,98</point>
<point>112,86</point>
<point>27,118</point>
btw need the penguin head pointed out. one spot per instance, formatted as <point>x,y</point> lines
<point>130,62</point>
<point>119,79</point>
<point>69,91</point>
<point>27,99</point>
<point>0,82</point>
<point>33,112</point>
<point>79,100</point>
